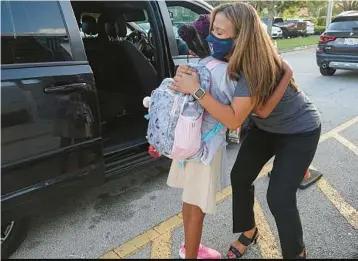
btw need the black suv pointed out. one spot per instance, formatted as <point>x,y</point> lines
<point>338,45</point>
<point>73,78</point>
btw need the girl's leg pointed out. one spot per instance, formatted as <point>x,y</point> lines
<point>255,151</point>
<point>294,156</point>
<point>193,218</point>
<point>199,197</point>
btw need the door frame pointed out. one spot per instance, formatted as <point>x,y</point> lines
<point>197,6</point>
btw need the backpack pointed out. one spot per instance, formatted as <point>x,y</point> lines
<point>175,119</point>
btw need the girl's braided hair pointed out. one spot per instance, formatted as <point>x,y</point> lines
<point>194,35</point>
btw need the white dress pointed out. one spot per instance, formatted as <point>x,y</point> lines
<point>198,181</point>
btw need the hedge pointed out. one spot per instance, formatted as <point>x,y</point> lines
<point>319,29</point>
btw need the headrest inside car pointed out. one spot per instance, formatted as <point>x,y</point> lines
<point>121,26</point>
<point>89,25</point>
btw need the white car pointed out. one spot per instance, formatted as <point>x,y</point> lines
<point>310,27</point>
<point>276,31</point>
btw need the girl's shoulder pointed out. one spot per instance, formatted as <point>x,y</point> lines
<point>219,70</point>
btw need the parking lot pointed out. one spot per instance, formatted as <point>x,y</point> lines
<point>138,216</point>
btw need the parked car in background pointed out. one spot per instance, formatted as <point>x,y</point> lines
<point>276,32</point>
<point>310,27</point>
<point>338,45</point>
<point>291,27</point>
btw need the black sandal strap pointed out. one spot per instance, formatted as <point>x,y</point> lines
<point>244,240</point>
<point>247,241</point>
<point>235,252</point>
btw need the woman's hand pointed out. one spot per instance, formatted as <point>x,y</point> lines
<point>186,80</point>
<point>184,69</point>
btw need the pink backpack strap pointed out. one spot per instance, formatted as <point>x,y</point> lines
<point>212,64</point>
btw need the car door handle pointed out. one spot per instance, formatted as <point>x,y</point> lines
<point>73,87</point>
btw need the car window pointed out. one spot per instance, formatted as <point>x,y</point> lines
<point>181,15</point>
<point>144,25</point>
<point>33,32</point>
<point>343,25</point>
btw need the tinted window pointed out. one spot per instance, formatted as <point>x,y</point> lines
<point>33,32</point>
<point>181,15</point>
<point>7,35</point>
<point>346,25</point>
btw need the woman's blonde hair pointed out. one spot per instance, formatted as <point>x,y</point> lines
<point>254,54</point>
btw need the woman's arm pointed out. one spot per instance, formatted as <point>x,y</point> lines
<point>265,110</point>
<point>231,116</point>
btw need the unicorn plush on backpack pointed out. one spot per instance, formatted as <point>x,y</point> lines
<point>175,119</point>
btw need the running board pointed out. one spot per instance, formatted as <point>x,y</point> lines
<point>124,161</point>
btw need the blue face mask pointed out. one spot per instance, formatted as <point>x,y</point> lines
<point>219,47</point>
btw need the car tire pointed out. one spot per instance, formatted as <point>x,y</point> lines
<point>284,34</point>
<point>327,71</point>
<point>11,240</point>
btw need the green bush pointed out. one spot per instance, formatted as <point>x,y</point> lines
<point>321,21</point>
<point>313,20</point>
<point>319,29</point>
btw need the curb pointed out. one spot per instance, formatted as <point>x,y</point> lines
<point>297,48</point>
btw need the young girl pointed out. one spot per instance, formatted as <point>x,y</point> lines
<point>290,133</point>
<point>199,180</point>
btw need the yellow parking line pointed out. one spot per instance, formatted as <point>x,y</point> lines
<point>350,214</point>
<point>267,245</point>
<point>334,133</point>
<point>338,129</point>
<point>266,242</point>
<point>158,233</point>
<point>346,210</point>
<point>265,170</point>
<point>161,234</point>
<point>346,143</point>
<point>162,246</point>
<point>110,255</point>
<point>131,246</point>
<point>169,224</point>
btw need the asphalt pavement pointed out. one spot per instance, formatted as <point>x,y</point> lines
<point>138,216</point>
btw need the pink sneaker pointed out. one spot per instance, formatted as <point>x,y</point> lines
<point>203,253</point>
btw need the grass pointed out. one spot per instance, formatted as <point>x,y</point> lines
<point>292,43</point>
<point>319,29</point>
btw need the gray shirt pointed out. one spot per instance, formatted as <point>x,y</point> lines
<point>294,113</point>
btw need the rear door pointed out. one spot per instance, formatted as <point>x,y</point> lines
<point>310,27</point>
<point>342,34</point>
<point>175,14</point>
<point>50,128</point>
<point>296,25</point>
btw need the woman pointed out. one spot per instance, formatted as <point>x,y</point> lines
<point>290,133</point>
<point>199,180</point>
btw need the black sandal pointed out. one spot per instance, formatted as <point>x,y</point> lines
<point>246,242</point>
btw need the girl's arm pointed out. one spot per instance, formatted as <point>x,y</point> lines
<point>265,110</point>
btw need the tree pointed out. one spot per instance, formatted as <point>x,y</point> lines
<point>290,12</point>
<point>348,5</point>
<point>283,5</point>
<point>317,8</point>
<point>278,6</point>
<point>216,3</point>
